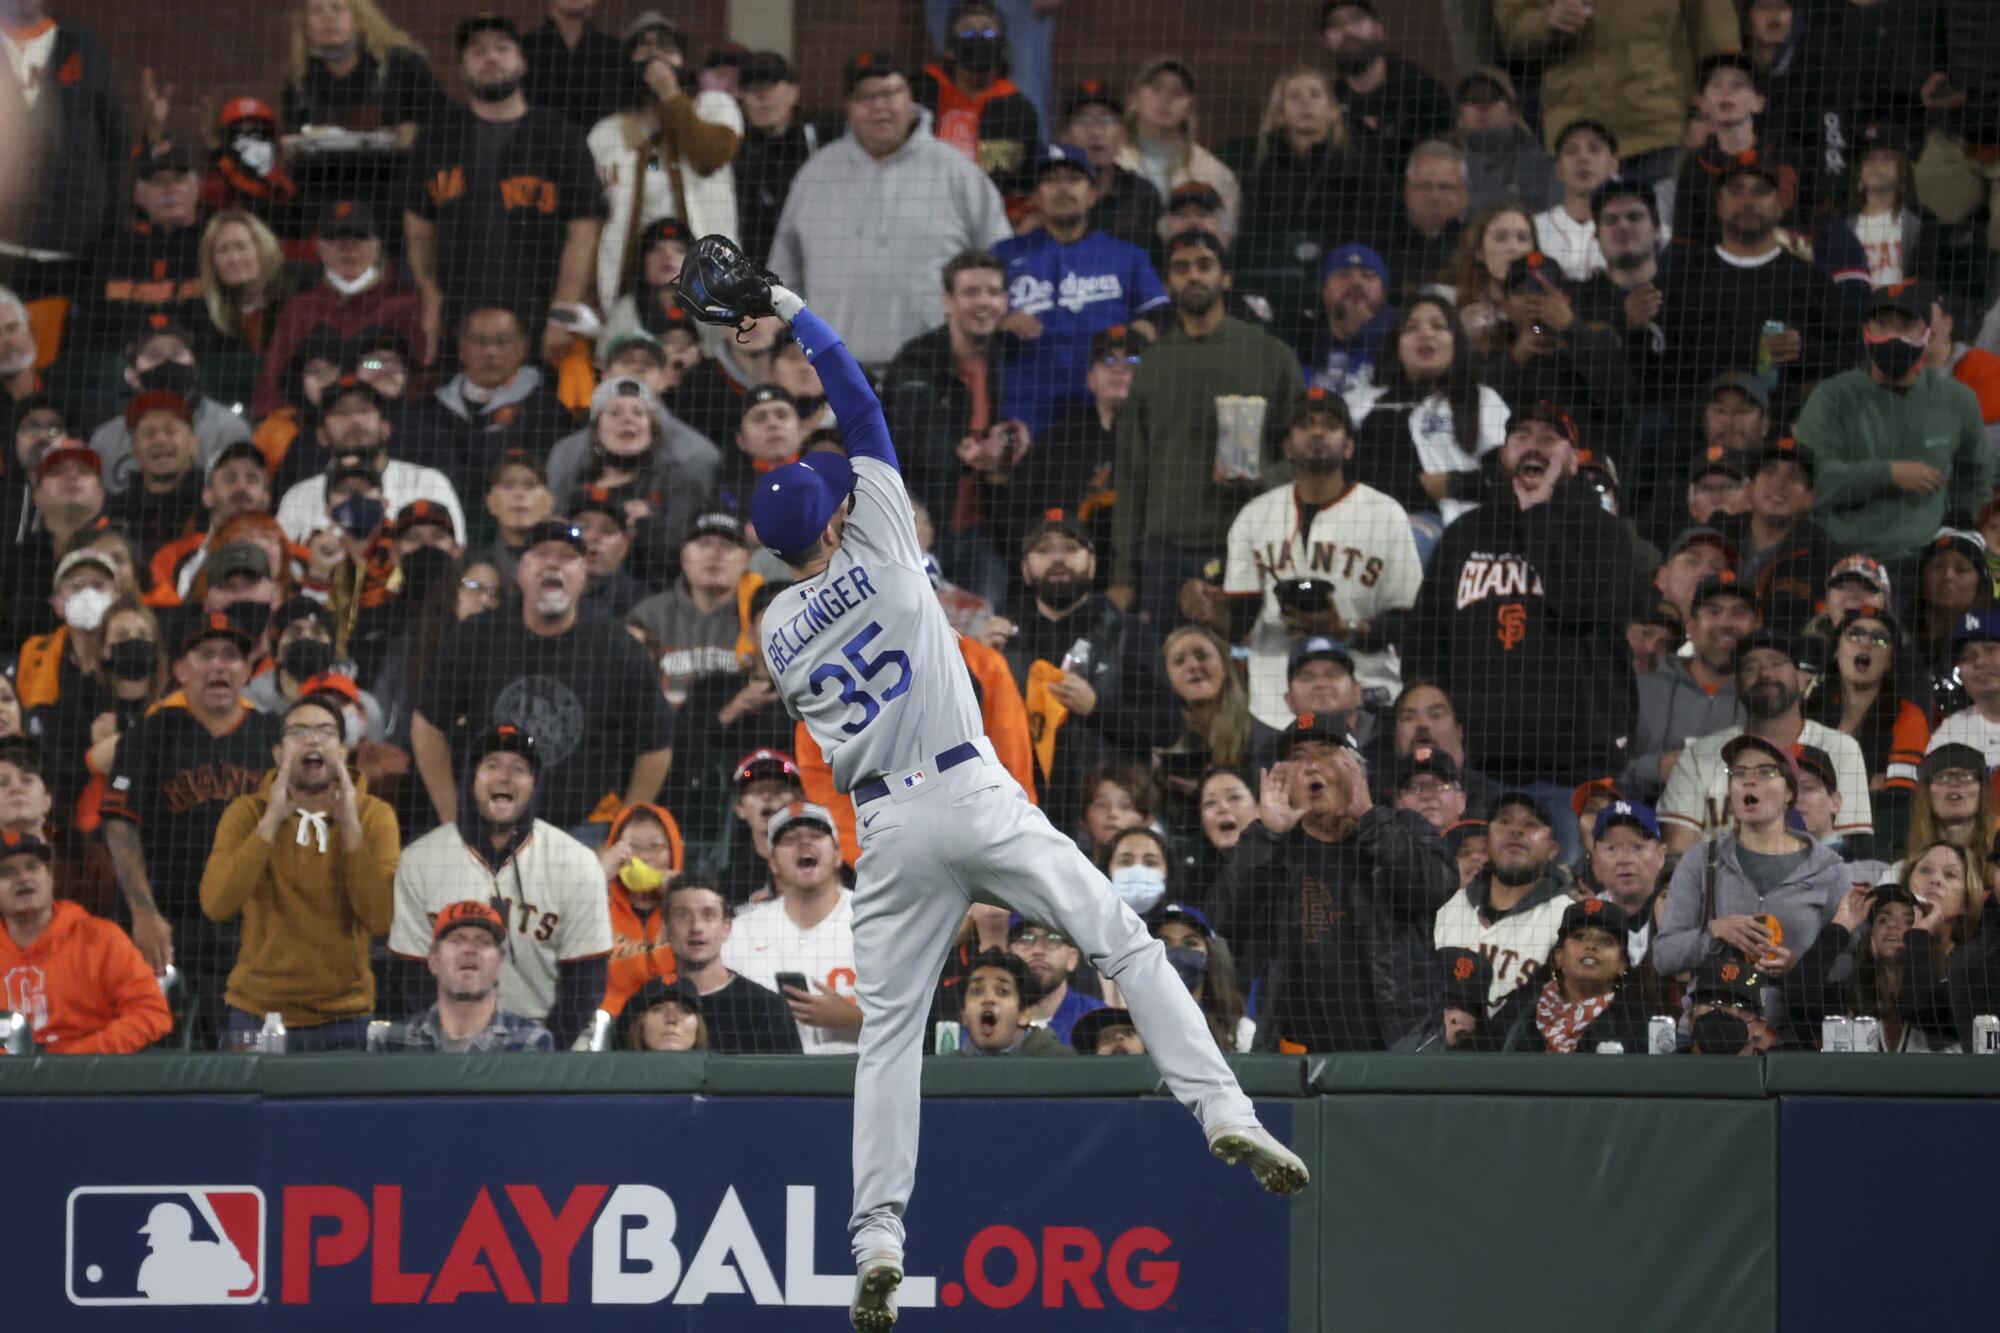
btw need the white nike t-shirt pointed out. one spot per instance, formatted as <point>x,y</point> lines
<point>764,941</point>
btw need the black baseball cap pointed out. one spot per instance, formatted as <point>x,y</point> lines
<point>301,607</point>
<point>1318,402</point>
<point>597,500</point>
<point>867,65</point>
<point>1724,584</point>
<point>347,219</point>
<point>352,386</point>
<point>1429,760</point>
<point>1456,835</point>
<point>1784,449</point>
<point>1468,979</point>
<point>764,67</point>
<point>1764,636</point>
<point>1062,523</point>
<point>1197,238</point>
<point>1083,1034</point>
<point>349,467</point>
<point>1315,729</point>
<point>1091,92</point>
<point>516,458</point>
<point>1819,763</point>
<point>1743,382</point>
<point>1717,459</point>
<point>715,523</point>
<point>1525,800</point>
<point>1600,913</point>
<point>767,393</point>
<point>1317,648</point>
<point>419,513</point>
<point>1728,981</point>
<point>1528,271</point>
<point>764,764</point>
<point>162,155</point>
<point>13,843</point>
<point>510,738</point>
<point>1195,194</point>
<point>487,21</point>
<point>1951,755</point>
<point>242,449</point>
<point>1759,162</point>
<point>553,530</point>
<point>215,625</point>
<point>1912,297</point>
<point>1118,340</point>
<point>1555,417</point>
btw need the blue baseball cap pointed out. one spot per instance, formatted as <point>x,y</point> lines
<point>1065,155</point>
<point>1354,255</point>
<point>1976,627</point>
<point>1634,814</point>
<point>1187,913</point>
<point>792,504</point>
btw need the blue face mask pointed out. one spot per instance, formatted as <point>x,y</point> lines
<point>1140,886</point>
<point>359,515</point>
<point>1191,964</point>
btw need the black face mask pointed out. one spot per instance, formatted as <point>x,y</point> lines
<point>175,378</point>
<point>306,658</point>
<point>422,568</point>
<point>977,53</point>
<point>134,659</point>
<point>359,515</point>
<point>1894,357</point>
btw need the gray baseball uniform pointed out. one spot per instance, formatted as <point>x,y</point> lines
<point>862,653</point>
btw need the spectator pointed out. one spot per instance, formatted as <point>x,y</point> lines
<point>1626,859</point>
<point>1477,276</point>
<point>1723,131</point>
<point>610,590</point>
<point>768,434</point>
<point>355,420</point>
<point>575,68</point>
<point>1427,782</point>
<point>699,623</point>
<point>1513,909</point>
<point>1423,714</point>
<point>1124,204</point>
<point>1756,867</point>
<point>1225,805</point>
<point>1728,1002</point>
<point>236,482</point>
<point>1136,861</point>
<point>580,680</point>
<point>59,677</point>
<point>872,215</point>
<point>1462,1022</point>
<point>666,1017</point>
<point>1503,159</point>
<point>999,992</point>
<point>1634,63</point>
<point>1954,799</point>
<point>494,211</point>
<point>495,403</point>
<point>1101,280</point>
<point>1586,157</point>
<point>1976,642</point>
<point>1030,33</point>
<point>1344,349</point>
<point>1425,423</point>
<point>470,957</point>
<point>310,904</point>
<point>641,856</point>
<point>244,285</point>
<point>662,150</point>
<point>1205,717</point>
<point>975,107</point>
<point>149,273</point>
<point>1470,848</point>
<point>1050,958</point>
<point>1950,587</point>
<point>174,775</point>
<point>517,499</point>
<point>1692,695</point>
<point>1898,975</point>
<point>1974,367</point>
<point>80,865</point>
<point>1780,550</point>
<point>1307,175</point>
<point>638,450</point>
<point>774,146</point>
<point>1862,697</point>
<point>162,360</point>
<point>1624,295</point>
<point>75,978</point>
<point>166,504</point>
<point>763,782</point>
<point>1899,447</point>
<point>1106,1031</point>
<point>1421,238</point>
<point>1164,146</point>
<point>1536,349</point>
<point>1081,704</point>
<point>1116,797</point>
<point>303,631</point>
<point>1881,211</point>
<point>1205,964</point>
<point>1769,687</point>
<point>354,560</point>
<point>1550,607</point>
<point>1346,542</point>
<point>741,1016</point>
<point>1390,105</point>
<point>807,928</point>
<point>359,290</point>
<point>1584,1005</point>
<point>1198,206</point>
<point>1340,957</point>
<point>1171,518</point>
<point>1818,805</point>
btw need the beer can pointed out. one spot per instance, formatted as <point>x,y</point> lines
<point>602,1031</point>
<point>14,1034</point>
<point>1611,1048</point>
<point>944,1038</point>
<point>1663,1035</point>
<point>1836,1034</point>
<point>1867,1033</point>
<point>1986,1035</point>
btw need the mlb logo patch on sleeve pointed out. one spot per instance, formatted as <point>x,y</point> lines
<point>166,1245</point>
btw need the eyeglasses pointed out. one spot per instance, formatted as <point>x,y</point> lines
<point>1955,777</point>
<point>1037,939</point>
<point>1858,635</point>
<point>306,731</point>
<point>479,587</point>
<point>1428,787</point>
<point>1117,360</point>
<point>385,365</point>
<point>1756,772</point>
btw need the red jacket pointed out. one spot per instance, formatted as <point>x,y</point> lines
<point>390,303</point>
<point>84,987</point>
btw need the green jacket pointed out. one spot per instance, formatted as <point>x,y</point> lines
<point>1856,428</point>
<point>1167,433</point>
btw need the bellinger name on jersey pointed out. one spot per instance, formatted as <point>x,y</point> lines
<point>823,606</point>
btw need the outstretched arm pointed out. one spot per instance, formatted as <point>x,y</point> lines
<point>862,426</point>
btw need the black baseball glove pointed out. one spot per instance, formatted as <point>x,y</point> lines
<point>719,285</point>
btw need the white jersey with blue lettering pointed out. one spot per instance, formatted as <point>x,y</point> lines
<point>862,652</point>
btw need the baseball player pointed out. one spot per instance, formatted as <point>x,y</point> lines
<point>863,655</point>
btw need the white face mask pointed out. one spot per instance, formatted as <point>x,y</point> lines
<point>347,287</point>
<point>84,610</point>
<point>1140,886</point>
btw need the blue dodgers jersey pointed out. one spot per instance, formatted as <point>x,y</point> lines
<point>1075,290</point>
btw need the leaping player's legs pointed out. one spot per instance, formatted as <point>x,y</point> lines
<point>906,910</point>
<point>1020,857</point>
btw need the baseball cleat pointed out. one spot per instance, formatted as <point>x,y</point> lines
<point>874,1308</point>
<point>1277,1168</point>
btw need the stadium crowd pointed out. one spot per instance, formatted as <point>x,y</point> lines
<point>1479,567</point>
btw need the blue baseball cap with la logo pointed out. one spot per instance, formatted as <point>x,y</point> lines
<point>1632,814</point>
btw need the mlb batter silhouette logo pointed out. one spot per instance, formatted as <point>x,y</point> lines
<point>166,1245</point>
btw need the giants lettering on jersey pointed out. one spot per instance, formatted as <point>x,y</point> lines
<point>1487,575</point>
<point>1274,561</point>
<point>1031,296</point>
<point>1511,967</point>
<point>823,606</point>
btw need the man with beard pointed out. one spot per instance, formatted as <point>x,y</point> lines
<point>1175,493</point>
<point>547,887</point>
<point>467,958</point>
<point>354,419</point>
<point>307,863</point>
<point>576,681</point>
<point>1065,283</point>
<point>1050,958</point>
<point>174,774</point>
<point>1512,910</point>
<point>1340,352</point>
<point>1337,894</point>
<point>1533,588</point>
<point>1079,703</point>
<point>1388,103</point>
<point>503,195</point>
<point>1690,696</point>
<point>1322,555</point>
<point>1769,685</point>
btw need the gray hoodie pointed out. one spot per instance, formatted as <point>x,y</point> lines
<point>684,470</point>
<point>1673,710</point>
<point>1803,903</point>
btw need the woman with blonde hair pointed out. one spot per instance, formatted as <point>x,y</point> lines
<point>1161,132</point>
<point>1305,183</point>
<point>1954,801</point>
<point>1211,722</point>
<point>243,283</point>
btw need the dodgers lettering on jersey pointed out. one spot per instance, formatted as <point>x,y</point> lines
<point>824,606</point>
<point>1074,289</point>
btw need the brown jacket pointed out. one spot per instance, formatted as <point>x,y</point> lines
<point>307,914</point>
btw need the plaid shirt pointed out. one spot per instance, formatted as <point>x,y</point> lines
<point>507,1032</point>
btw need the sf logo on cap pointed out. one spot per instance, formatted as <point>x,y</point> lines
<point>1461,970</point>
